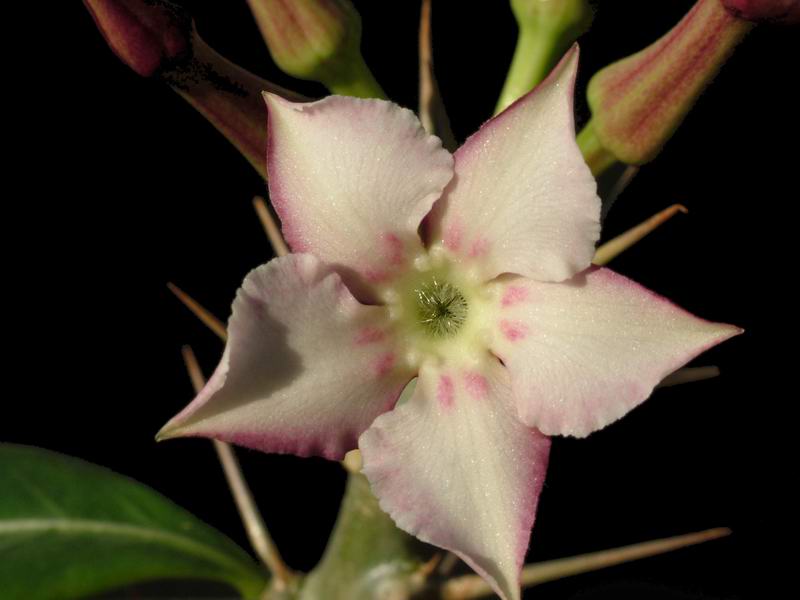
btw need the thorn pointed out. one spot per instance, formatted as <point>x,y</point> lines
<point>193,368</point>
<point>270,227</point>
<point>432,113</point>
<point>612,248</point>
<point>689,375</point>
<point>252,520</point>
<point>620,184</point>
<point>472,586</point>
<point>209,320</point>
<point>448,563</point>
<point>426,569</point>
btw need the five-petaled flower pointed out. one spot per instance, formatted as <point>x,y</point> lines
<point>471,271</point>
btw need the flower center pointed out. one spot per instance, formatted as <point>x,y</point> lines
<point>440,310</point>
<point>441,307</point>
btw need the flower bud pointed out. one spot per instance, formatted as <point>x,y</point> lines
<point>144,35</point>
<point>153,38</point>
<point>228,96</point>
<point>317,40</point>
<point>639,101</point>
<point>772,11</point>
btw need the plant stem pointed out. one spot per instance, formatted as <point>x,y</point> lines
<point>597,157</point>
<point>533,58</point>
<point>367,554</point>
<point>358,82</point>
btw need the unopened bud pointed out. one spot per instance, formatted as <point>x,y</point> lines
<point>317,40</point>
<point>786,12</point>
<point>145,34</point>
<point>155,39</point>
<point>639,101</point>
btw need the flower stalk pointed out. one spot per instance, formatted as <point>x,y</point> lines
<point>317,40</point>
<point>547,28</point>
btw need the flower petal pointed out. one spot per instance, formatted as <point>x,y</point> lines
<point>523,200</point>
<point>583,353</point>
<point>306,368</point>
<point>351,180</point>
<point>455,467</point>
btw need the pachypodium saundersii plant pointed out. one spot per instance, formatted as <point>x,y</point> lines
<point>440,316</point>
<point>494,307</point>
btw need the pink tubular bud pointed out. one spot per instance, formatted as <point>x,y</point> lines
<point>153,39</point>
<point>639,101</point>
<point>145,34</point>
<point>786,12</point>
<point>228,96</point>
<point>307,38</point>
<point>317,40</point>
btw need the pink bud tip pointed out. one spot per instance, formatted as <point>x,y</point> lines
<point>144,34</point>
<point>786,12</point>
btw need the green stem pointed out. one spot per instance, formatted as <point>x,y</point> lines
<point>366,553</point>
<point>597,156</point>
<point>534,56</point>
<point>358,81</point>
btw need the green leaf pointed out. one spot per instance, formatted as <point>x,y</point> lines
<point>69,528</point>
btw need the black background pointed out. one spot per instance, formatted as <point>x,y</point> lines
<point>119,187</point>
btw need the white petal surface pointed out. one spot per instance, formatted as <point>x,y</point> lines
<point>306,368</point>
<point>583,353</point>
<point>455,467</point>
<point>351,180</point>
<point>523,200</point>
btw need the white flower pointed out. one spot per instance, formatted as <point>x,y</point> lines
<point>471,272</point>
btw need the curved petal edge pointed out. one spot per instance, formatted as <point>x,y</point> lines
<point>456,468</point>
<point>306,368</point>
<point>583,353</point>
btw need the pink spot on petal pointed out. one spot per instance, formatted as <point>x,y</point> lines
<point>369,335</point>
<point>394,248</point>
<point>476,385</point>
<point>513,295</point>
<point>383,364</point>
<point>452,237</point>
<point>445,393</point>
<point>479,248</point>
<point>513,330</point>
<point>375,275</point>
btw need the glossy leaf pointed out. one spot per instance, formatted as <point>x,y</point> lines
<point>69,528</point>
